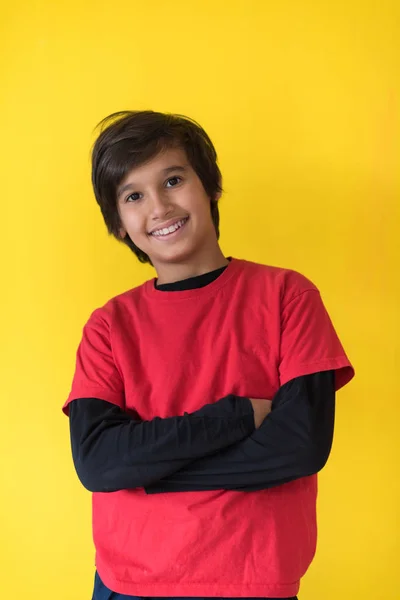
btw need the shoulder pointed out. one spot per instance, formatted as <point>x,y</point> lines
<point>117,309</point>
<point>283,283</point>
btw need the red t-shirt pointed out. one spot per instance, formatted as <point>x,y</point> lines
<point>156,353</point>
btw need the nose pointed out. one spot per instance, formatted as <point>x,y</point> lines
<point>160,206</point>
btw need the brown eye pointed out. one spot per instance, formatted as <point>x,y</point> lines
<point>175,181</point>
<point>133,197</point>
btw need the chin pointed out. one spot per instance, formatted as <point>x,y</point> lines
<point>174,256</point>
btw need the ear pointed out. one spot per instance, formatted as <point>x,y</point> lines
<point>217,196</point>
<point>122,233</point>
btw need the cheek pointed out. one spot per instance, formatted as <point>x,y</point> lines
<point>199,203</point>
<point>133,222</point>
<point>205,211</point>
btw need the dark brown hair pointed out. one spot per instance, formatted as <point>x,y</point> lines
<point>130,138</point>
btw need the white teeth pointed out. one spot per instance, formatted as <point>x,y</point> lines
<point>168,230</point>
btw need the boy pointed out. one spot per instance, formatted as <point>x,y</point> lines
<point>199,487</point>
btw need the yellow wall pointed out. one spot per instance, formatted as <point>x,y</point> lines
<point>302,102</point>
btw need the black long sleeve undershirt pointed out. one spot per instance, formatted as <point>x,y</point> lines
<point>215,448</point>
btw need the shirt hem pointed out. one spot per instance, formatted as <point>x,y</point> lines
<point>209,590</point>
<point>98,393</point>
<point>341,363</point>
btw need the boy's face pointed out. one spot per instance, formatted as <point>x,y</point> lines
<point>166,194</point>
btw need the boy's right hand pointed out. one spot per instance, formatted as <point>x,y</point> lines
<point>262,408</point>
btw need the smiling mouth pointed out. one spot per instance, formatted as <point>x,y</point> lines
<point>167,232</point>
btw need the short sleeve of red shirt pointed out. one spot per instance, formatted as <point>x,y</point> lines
<point>309,342</point>
<point>96,374</point>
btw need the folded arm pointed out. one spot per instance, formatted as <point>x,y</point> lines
<point>112,451</point>
<point>293,441</point>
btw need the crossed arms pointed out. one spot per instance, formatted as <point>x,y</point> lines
<point>216,447</point>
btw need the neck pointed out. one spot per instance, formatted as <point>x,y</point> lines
<point>192,267</point>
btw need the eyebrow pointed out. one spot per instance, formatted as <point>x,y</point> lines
<point>129,186</point>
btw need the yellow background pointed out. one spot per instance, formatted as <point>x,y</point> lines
<point>302,102</point>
